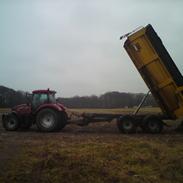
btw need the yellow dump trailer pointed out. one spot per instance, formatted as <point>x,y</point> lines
<point>160,74</point>
<point>158,70</point>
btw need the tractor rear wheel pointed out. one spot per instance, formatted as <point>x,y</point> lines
<point>11,123</point>
<point>62,120</point>
<point>47,120</point>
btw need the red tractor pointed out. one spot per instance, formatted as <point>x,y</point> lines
<point>42,110</point>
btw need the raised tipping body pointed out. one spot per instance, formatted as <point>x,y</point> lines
<point>158,70</point>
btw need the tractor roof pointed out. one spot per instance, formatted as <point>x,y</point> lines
<point>48,91</point>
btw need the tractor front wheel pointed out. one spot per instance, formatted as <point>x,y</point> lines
<point>11,123</point>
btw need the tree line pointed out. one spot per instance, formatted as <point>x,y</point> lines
<point>10,98</point>
<point>108,100</point>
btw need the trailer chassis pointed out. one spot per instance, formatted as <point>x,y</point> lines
<point>127,123</point>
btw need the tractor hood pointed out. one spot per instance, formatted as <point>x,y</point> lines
<point>19,107</point>
<point>23,108</point>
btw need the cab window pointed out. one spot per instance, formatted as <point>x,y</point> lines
<point>39,99</point>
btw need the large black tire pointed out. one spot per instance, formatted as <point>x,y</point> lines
<point>47,120</point>
<point>62,120</point>
<point>126,124</point>
<point>11,123</point>
<point>152,124</point>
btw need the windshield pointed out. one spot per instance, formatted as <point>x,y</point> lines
<point>42,98</point>
<point>39,98</point>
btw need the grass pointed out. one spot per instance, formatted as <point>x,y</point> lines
<point>119,110</point>
<point>128,159</point>
<point>113,111</point>
<point>4,110</point>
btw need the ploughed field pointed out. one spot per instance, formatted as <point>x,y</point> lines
<point>93,153</point>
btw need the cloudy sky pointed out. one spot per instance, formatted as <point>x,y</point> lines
<point>73,46</point>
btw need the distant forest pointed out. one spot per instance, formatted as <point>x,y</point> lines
<point>10,98</point>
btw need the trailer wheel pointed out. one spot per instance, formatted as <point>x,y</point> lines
<point>152,124</point>
<point>126,124</point>
<point>11,123</point>
<point>47,120</point>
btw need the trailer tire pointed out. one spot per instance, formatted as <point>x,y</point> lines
<point>11,123</point>
<point>126,124</point>
<point>152,124</point>
<point>47,120</point>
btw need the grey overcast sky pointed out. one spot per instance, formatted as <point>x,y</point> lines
<point>73,46</point>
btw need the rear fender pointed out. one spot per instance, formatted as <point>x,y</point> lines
<point>54,107</point>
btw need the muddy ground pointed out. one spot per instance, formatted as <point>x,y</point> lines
<point>13,144</point>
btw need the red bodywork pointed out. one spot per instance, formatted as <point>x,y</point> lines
<point>25,110</point>
<point>44,91</point>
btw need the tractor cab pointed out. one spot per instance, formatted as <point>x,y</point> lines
<point>40,97</point>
